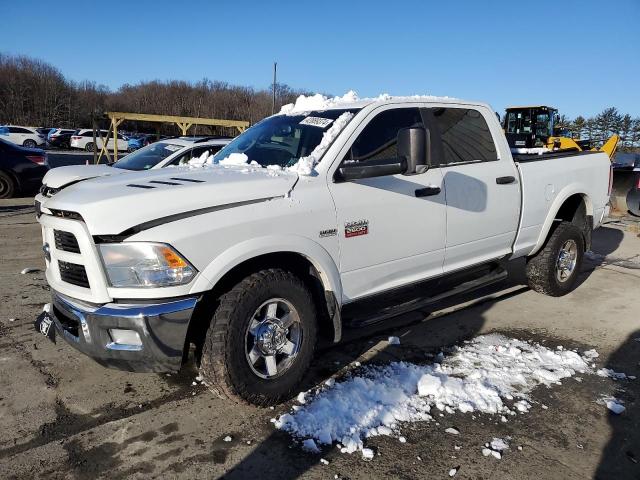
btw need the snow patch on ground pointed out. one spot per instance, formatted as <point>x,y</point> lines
<point>479,376</point>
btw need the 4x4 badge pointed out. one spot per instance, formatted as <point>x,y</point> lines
<point>356,229</point>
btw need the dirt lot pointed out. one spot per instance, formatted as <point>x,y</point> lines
<point>63,416</point>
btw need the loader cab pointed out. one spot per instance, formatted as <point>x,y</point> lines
<point>530,127</point>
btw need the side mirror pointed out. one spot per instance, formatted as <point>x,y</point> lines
<point>413,143</point>
<point>369,169</point>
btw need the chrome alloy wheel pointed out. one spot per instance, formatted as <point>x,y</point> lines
<point>567,259</point>
<point>273,338</point>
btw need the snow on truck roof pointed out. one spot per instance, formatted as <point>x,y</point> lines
<point>351,99</point>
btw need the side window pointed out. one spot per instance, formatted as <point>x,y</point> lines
<point>465,136</point>
<point>378,140</point>
<point>18,130</point>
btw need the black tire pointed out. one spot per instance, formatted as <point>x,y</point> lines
<point>90,147</point>
<point>225,367</point>
<point>543,269</point>
<point>29,144</point>
<point>8,186</point>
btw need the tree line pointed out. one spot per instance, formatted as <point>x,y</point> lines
<point>599,128</point>
<point>35,93</point>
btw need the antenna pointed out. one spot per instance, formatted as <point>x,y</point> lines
<point>273,102</point>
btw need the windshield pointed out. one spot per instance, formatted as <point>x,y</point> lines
<point>147,157</point>
<point>283,139</point>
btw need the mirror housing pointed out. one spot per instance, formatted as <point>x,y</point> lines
<point>413,143</point>
<point>374,168</point>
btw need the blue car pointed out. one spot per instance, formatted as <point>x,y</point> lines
<point>139,140</point>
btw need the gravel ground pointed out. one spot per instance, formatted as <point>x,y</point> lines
<point>63,416</point>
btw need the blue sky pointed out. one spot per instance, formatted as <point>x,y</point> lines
<point>580,56</point>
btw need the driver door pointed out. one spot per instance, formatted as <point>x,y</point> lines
<point>390,233</point>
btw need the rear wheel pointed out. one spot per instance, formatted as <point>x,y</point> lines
<point>29,143</point>
<point>554,269</point>
<point>90,147</point>
<point>261,339</point>
<point>8,185</point>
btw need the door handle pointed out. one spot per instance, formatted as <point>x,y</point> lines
<point>428,191</point>
<point>505,180</point>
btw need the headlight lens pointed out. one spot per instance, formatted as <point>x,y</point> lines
<point>140,264</point>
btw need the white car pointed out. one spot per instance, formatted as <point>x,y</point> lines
<point>26,136</point>
<point>344,213</point>
<point>83,139</point>
<point>171,151</point>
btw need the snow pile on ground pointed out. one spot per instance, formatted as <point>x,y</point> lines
<point>479,376</point>
<point>305,165</point>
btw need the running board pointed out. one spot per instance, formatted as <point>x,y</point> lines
<point>356,321</point>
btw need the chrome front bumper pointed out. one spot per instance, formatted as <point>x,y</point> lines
<point>161,330</point>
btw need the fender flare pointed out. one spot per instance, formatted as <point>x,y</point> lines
<point>561,197</point>
<point>255,247</point>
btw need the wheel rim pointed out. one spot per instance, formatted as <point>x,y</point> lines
<point>29,144</point>
<point>567,259</point>
<point>273,338</point>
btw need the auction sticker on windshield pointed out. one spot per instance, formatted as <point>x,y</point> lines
<point>173,148</point>
<point>317,122</point>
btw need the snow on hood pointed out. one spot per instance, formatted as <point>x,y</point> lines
<point>491,374</point>
<point>111,205</point>
<point>61,176</point>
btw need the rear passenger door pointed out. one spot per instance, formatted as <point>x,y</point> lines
<point>482,190</point>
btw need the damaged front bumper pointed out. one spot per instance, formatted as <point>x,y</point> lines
<point>132,337</point>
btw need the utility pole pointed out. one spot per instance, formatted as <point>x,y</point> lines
<point>273,102</point>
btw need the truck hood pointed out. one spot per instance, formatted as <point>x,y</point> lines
<point>117,204</point>
<point>62,176</point>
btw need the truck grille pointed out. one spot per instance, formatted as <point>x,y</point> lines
<point>73,273</point>
<point>66,241</point>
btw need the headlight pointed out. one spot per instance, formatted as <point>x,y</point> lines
<point>139,264</point>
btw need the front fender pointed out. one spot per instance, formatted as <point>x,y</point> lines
<point>562,196</point>
<point>255,247</point>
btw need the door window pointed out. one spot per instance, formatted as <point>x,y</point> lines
<point>378,140</point>
<point>464,136</point>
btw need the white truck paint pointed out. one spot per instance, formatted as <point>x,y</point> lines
<point>363,237</point>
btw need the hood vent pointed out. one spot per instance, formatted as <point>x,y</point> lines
<point>187,180</point>
<point>164,183</point>
<point>135,185</point>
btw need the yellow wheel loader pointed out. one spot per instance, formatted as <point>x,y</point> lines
<point>535,129</point>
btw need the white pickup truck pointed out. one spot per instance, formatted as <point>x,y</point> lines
<point>312,220</point>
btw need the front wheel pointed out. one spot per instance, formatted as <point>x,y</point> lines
<point>554,270</point>
<point>261,339</point>
<point>29,144</point>
<point>8,186</point>
<point>90,147</point>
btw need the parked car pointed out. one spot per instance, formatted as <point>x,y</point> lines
<point>388,205</point>
<point>26,136</point>
<point>60,138</point>
<point>173,151</point>
<point>83,139</point>
<point>21,169</point>
<point>140,140</point>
